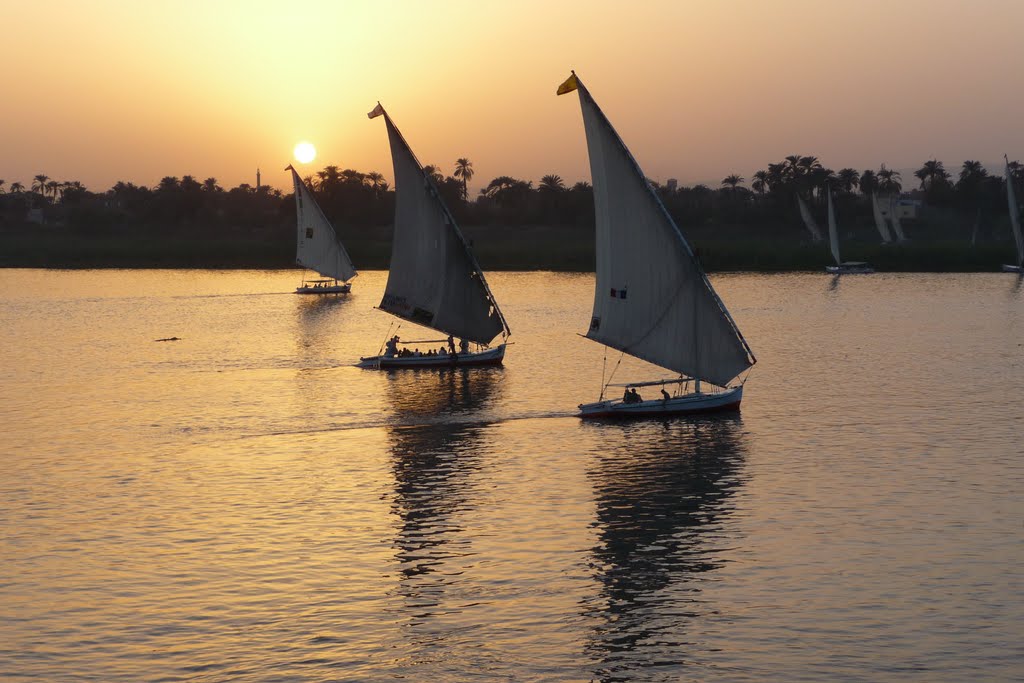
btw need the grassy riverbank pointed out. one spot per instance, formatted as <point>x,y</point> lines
<point>497,248</point>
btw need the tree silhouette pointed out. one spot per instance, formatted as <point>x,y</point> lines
<point>847,180</point>
<point>464,172</point>
<point>889,180</point>
<point>551,183</point>
<point>760,184</point>
<point>732,181</point>
<point>39,184</point>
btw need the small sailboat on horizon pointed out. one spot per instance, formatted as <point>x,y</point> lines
<point>1011,200</point>
<point>434,280</point>
<point>317,246</point>
<point>841,267</point>
<point>652,299</point>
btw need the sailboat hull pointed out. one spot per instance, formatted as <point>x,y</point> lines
<point>484,358</point>
<point>850,268</point>
<point>677,405</point>
<point>344,288</point>
<point>1012,269</point>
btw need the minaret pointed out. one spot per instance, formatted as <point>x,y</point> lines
<point>257,178</point>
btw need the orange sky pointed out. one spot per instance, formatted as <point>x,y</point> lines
<point>106,91</point>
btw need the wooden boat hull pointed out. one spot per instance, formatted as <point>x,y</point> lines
<point>1012,269</point>
<point>678,405</point>
<point>333,289</point>
<point>488,357</point>
<point>850,269</point>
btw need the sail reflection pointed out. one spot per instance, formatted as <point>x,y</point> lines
<point>663,501</point>
<point>436,440</point>
<point>317,322</point>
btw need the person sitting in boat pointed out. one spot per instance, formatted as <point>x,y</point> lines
<point>463,346</point>
<point>391,347</point>
<point>664,394</point>
<point>442,351</point>
<point>630,396</point>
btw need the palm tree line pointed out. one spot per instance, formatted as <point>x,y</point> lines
<point>361,199</point>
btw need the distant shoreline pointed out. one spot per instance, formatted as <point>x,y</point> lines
<point>534,248</point>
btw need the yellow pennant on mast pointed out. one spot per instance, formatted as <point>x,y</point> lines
<point>570,84</point>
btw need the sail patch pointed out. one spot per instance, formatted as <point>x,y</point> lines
<point>619,293</point>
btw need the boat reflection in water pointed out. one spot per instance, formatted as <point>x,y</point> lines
<point>664,498</point>
<point>435,442</point>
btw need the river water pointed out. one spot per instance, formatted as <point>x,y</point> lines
<point>245,505</point>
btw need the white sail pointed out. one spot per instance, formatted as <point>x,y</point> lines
<point>833,231</point>
<point>883,229</point>
<point>434,280</point>
<point>1011,200</point>
<point>317,246</point>
<point>652,299</point>
<point>894,218</point>
<point>809,221</point>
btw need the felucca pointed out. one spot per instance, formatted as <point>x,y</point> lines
<point>318,247</point>
<point>652,299</point>
<point>434,280</point>
<point>841,267</point>
<point>1011,200</point>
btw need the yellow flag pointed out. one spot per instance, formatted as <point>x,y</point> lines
<point>569,85</point>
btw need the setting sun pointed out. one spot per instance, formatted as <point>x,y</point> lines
<point>305,152</point>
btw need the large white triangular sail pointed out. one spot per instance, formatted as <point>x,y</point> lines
<point>317,245</point>
<point>809,222</point>
<point>434,280</point>
<point>652,299</point>
<point>894,218</point>
<point>833,231</point>
<point>883,229</point>
<point>1011,200</point>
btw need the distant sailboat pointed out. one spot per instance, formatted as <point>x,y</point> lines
<point>652,299</point>
<point>841,267</point>
<point>883,229</point>
<point>1011,200</point>
<point>809,222</point>
<point>894,218</point>
<point>318,247</point>
<point>434,280</point>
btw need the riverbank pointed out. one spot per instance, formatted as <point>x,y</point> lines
<point>496,248</point>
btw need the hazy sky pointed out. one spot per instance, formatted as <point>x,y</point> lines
<point>106,90</point>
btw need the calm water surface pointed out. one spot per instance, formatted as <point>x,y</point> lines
<point>244,505</point>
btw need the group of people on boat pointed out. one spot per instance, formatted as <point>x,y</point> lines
<point>631,395</point>
<point>391,349</point>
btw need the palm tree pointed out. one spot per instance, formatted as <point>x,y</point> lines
<point>433,171</point>
<point>17,188</point>
<point>39,183</point>
<point>375,179</point>
<point>931,174</point>
<point>760,184</point>
<point>732,181</point>
<point>53,187</point>
<point>464,171</point>
<point>210,185</point>
<point>868,182</point>
<point>889,180</point>
<point>551,183</point>
<point>2,186</point>
<point>848,179</point>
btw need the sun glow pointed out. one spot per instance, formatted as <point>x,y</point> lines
<point>305,152</point>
